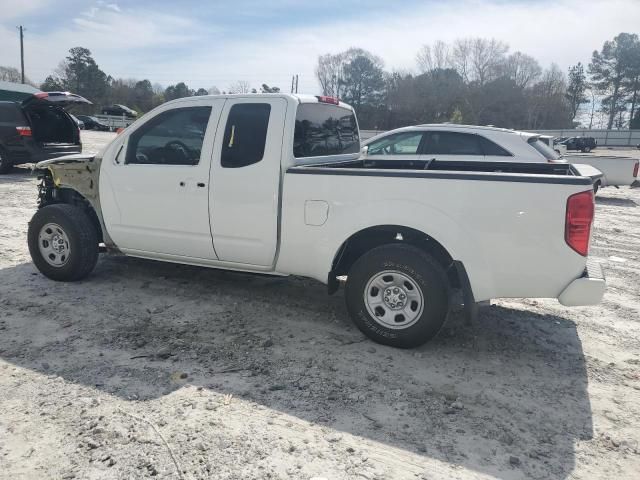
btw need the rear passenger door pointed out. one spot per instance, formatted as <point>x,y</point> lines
<point>452,146</point>
<point>245,180</point>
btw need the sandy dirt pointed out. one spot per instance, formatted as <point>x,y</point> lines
<point>151,370</point>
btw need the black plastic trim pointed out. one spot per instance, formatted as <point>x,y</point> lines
<point>452,175</point>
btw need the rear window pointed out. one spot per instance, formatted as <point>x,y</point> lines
<point>325,130</point>
<point>10,113</point>
<point>543,149</point>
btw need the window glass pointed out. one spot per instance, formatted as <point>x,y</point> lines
<point>245,135</point>
<point>323,129</point>
<point>405,143</point>
<point>173,137</point>
<point>490,148</point>
<point>543,149</point>
<point>453,143</point>
<point>10,113</point>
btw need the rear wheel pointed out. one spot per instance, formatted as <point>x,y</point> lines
<point>586,149</point>
<point>63,242</point>
<point>398,295</point>
<point>5,162</point>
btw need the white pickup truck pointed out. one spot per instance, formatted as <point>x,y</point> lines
<point>273,184</point>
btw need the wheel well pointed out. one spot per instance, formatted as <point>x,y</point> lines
<point>364,240</point>
<point>49,194</point>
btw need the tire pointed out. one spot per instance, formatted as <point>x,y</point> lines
<point>5,162</point>
<point>70,228</point>
<point>586,149</point>
<point>418,276</point>
<point>596,187</point>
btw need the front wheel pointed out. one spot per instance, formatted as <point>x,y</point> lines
<point>398,295</point>
<point>63,242</point>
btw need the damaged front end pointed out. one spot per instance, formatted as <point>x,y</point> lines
<point>73,179</point>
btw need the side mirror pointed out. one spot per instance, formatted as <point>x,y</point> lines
<point>364,151</point>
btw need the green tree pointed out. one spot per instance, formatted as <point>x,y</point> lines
<point>51,84</point>
<point>363,82</point>
<point>179,90</point>
<point>143,95</point>
<point>201,91</point>
<point>82,75</point>
<point>610,69</point>
<point>576,89</point>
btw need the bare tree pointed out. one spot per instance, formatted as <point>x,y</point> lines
<point>434,57</point>
<point>214,90</point>
<point>241,86</point>
<point>461,57</point>
<point>522,69</point>
<point>487,57</point>
<point>329,73</point>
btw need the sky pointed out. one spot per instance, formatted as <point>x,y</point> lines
<point>216,43</point>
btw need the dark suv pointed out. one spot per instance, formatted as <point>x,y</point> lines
<point>119,110</point>
<point>584,144</point>
<point>34,125</point>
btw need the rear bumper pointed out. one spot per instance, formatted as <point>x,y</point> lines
<point>586,290</point>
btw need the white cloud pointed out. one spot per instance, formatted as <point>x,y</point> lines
<point>132,42</point>
<point>18,8</point>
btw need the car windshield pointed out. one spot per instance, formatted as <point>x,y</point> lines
<point>543,149</point>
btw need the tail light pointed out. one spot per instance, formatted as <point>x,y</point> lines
<point>24,131</point>
<point>635,169</point>
<point>577,232</point>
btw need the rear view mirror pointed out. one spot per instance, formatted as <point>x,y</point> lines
<point>364,151</point>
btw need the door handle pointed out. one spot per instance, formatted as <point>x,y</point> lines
<point>182,184</point>
<point>201,184</point>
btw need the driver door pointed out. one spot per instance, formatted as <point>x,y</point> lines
<point>155,193</point>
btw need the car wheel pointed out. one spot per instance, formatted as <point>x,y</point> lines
<point>586,149</point>
<point>63,242</point>
<point>5,162</point>
<point>596,187</point>
<point>398,295</point>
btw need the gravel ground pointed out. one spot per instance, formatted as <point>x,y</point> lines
<point>152,370</point>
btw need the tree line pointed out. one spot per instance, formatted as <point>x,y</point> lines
<point>470,80</point>
<point>478,81</point>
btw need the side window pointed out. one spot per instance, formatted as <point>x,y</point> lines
<point>173,137</point>
<point>490,148</point>
<point>245,135</point>
<point>453,143</point>
<point>405,143</point>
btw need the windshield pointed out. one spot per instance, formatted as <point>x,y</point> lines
<point>543,149</point>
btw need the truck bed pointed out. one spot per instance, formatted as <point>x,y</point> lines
<point>564,173</point>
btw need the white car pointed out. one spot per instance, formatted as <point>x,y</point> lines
<point>273,184</point>
<point>459,142</point>
<point>469,143</point>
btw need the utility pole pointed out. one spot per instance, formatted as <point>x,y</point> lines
<point>21,52</point>
<point>296,83</point>
<point>293,80</point>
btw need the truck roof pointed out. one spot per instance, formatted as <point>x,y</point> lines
<point>299,98</point>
